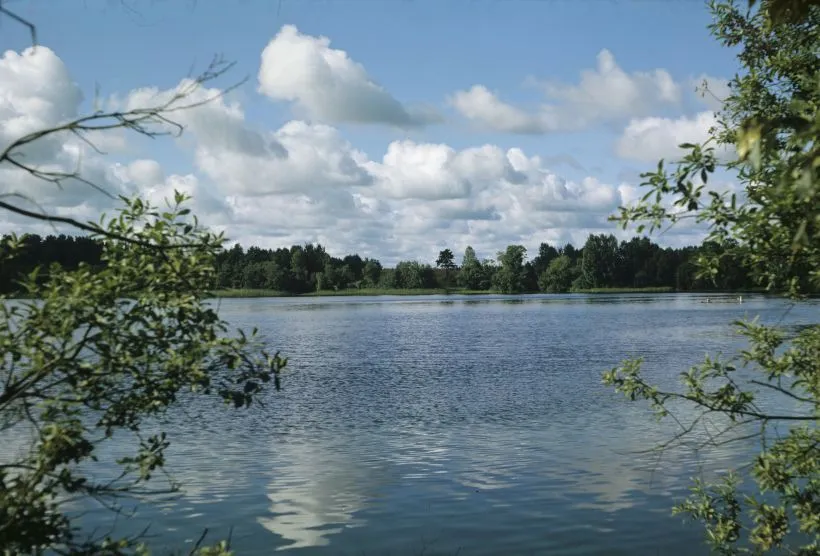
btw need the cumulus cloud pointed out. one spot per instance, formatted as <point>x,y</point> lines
<point>241,160</point>
<point>315,157</point>
<point>650,139</point>
<point>483,107</point>
<point>603,94</point>
<point>428,171</point>
<point>304,181</point>
<point>37,93</point>
<point>327,85</point>
<point>711,91</point>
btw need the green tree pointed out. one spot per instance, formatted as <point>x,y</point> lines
<point>355,265</point>
<point>299,269</point>
<point>253,277</point>
<point>276,277</point>
<point>770,118</point>
<point>546,254</point>
<point>600,261</point>
<point>331,278</point>
<point>101,351</point>
<point>558,276</point>
<point>372,272</point>
<point>634,258</point>
<point>509,278</point>
<point>471,274</point>
<point>388,278</point>
<point>414,275</point>
<point>446,260</point>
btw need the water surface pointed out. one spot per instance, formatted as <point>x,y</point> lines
<point>446,424</point>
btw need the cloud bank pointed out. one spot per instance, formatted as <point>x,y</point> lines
<point>305,181</point>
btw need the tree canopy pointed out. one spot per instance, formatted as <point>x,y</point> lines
<point>637,263</point>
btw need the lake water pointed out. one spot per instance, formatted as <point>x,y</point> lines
<point>452,425</point>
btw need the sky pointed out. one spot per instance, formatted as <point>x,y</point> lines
<point>389,128</point>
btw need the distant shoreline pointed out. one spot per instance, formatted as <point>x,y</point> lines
<point>257,293</point>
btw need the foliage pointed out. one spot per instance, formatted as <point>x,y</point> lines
<point>546,254</point>
<point>637,263</point>
<point>558,276</point>
<point>371,272</point>
<point>446,260</point>
<point>116,333</point>
<point>600,261</point>
<point>772,229</point>
<point>412,275</point>
<point>509,278</point>
<point>472,275</point>
<point>104,352</point>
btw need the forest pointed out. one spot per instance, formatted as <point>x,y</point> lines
<point>601,263</point>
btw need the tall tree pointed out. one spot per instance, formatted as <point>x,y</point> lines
<point>771,120</point>
<point>558,276</point>
<point>600,261</point>
<point>509,278</point>
<point>471,274</point>
<point>372,272</point>
<point>446,261</point>
<point>355,264</point>
<point>299,268</point>
<point>546,253</point>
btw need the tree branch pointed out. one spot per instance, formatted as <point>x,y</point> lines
<point>151,122</point>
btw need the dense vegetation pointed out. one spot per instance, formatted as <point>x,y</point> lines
<point>601,263</point>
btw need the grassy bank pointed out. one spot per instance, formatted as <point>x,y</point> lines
<point>422,291</point>
<point>333,293</point>
<point>656,289</point>
<point>251,293</point>
<point>393,291</point>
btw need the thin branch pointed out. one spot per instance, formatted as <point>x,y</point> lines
<point>782,391</point>
<point>91,228</point>
<point>151,122</point>
<point>21,21</point>
<point>56,178</point>
<point>198,542</point>
<point>740,412</point>
<point>704,88</point>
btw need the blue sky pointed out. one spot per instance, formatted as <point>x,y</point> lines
<point>421,52</point>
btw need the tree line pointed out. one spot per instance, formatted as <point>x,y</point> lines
<point>602,262</point>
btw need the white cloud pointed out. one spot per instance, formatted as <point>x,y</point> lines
<point>304,181</point>
<point>316,157</point>
<point>483,106</point>
<point>610,92</point>
<point>428,171</point>
<point>147,178</point>
<point>37,93</point>
<point>606,93</point>
<point>650,139</point>
<point>327,85</point>
<point>716,90</point>
<point>240,160</point>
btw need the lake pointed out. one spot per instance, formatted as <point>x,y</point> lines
<point>452,425</point>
